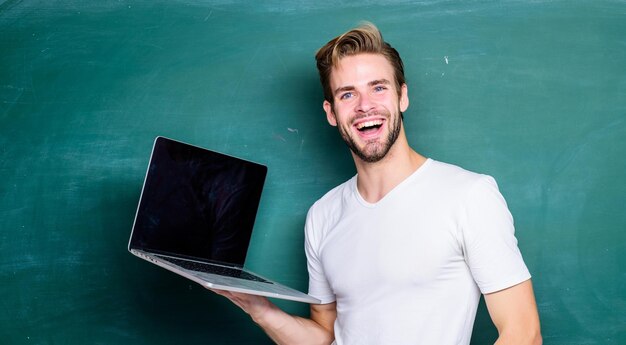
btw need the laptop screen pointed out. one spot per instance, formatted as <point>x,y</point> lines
<point>198,204</point>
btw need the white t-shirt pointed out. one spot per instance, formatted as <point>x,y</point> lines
<point>409,269</point>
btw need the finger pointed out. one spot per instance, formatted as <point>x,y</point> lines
<point>224,293</point>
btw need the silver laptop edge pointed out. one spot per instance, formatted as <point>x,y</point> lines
<point>253,287</point>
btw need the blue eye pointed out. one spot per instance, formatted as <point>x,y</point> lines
<point>379,88</point>
<point>346,95</point>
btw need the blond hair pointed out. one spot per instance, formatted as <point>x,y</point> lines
<point>365,38</point>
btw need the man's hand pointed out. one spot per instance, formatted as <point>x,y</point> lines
<point>282,327</point>
<point>255,306</point>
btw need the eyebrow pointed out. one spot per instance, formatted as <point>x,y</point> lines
<point>371,83</point>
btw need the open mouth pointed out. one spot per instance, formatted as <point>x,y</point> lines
<point>369,126</point>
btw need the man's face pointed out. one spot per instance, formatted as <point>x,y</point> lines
<point>367,107</point>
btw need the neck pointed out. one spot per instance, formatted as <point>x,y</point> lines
<point>375,180</point>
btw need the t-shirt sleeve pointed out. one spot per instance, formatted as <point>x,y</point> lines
<point>318,284</point>
<point>490,246</point>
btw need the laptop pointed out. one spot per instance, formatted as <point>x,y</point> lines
<point>195,218</point>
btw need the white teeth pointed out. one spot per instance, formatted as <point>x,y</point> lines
<point>369,124</point>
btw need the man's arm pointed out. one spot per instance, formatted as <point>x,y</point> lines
<point>283,328</point>
<point>514,313</point>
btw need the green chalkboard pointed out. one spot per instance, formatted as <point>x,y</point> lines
<point>530,92</point>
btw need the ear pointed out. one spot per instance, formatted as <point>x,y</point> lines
<point>330,114</point>
<point>404,98</point>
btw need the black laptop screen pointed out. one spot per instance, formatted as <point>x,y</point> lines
<point>197,203</point>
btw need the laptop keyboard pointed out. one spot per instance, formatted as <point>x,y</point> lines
<point>215,269</point>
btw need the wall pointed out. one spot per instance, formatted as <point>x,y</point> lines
<point>531,93</point>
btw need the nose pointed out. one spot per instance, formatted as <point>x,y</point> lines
<point>364,103</point>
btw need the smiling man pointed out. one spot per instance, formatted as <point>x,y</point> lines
<point>370,105</point>
<point>401,252</point>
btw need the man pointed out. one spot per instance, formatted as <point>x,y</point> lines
<point>400,253</point>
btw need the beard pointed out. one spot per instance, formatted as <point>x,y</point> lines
<point>374,150</point>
